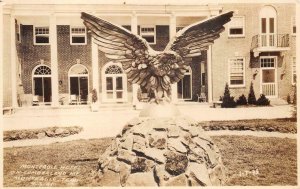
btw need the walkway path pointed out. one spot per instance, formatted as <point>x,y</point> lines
<point>108,123</point>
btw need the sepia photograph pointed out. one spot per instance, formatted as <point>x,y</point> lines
<point>136,93</point>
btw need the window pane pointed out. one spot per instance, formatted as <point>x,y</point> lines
<point>74,86</point>
<point>263,25</point>
<point>119,83</point>
<point>42,39</point>
<point>83,88</point>
<point>119,94</point>
<point>268,76</point>
<point>78,39</point>
<point>47,89</point>
<point>271,25</point>
<point>109,95</point>
<point>234,31</point>
<point>187,86</point>
<point>149,39</point>
<point>38,86</point>
<point>109,83</point>
<point>179,89</point>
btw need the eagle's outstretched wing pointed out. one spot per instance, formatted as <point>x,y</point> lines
<point>193,39</point>
<point>121,45</point>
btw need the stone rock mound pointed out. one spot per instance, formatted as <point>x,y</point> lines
<point>161,152</point>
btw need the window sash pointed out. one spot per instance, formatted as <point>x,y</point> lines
<point>41,32</point>
<point>236,71</point>
<point>78,32</point>
<point>148,32</point>
<point>236,26</point>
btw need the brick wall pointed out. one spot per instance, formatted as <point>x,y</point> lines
<point>30,56</point>
<point>68,55</point>
<point>241,47</point>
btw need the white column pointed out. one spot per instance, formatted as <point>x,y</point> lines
<point>1,60</point>
<point>134,31</point>
<point>95,67</point>
<point>54,62</point>
<point>13,53</point>
<point>209,75</point>
<point>172,33</point>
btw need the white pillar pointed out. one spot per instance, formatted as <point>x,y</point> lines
<point>172,33</point>
<point>13,53</point>
<point>1,60</point>
<point>54,62</point>
<point>134,31</point>
<point>95,67</point>
<point>209,75</point>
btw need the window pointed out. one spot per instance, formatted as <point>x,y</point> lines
<point>78,35</point>
<point>237,72</point>
<point>294,79</point>
<point>41,35</point>
<point>237,27</point>
<point>148,33</point>
<point>294,25</point>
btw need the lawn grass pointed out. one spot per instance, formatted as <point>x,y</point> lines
<point>283,125</point>
<point>274,158</point>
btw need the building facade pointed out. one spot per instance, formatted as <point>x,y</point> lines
<point>49,57</point>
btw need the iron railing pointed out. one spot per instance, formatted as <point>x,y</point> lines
<point>270,40</point>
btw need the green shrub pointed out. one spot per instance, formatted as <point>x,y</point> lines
<point>227,100</point>
<point>263,101</point>
<point>251,96</point>
<point>242,100</point>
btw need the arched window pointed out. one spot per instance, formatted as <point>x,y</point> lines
<point>41,85</point>
<point>78,84</point>
<point>114,83</point>
<point>184,86</point>
<point>268,26</point>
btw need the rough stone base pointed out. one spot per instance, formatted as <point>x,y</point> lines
<point>161,152</point>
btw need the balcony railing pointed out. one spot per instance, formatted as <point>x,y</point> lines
<point>270,40</point>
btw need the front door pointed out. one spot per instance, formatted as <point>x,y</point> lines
<point>268,76</point>
<point>184,87</point>
<point>42,89</point>
<point>114,88</point>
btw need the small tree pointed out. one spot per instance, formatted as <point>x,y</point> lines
<point>242,100</point>
<point>227,100</point>
<point>251,96</point>
<point>263,101</point>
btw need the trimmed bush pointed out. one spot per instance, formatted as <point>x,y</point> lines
<point>263,101</point>
<point>242,100</point>
<point>227,100</point>
<point>251,96</point>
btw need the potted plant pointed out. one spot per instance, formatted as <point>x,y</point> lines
<point>95,104</point>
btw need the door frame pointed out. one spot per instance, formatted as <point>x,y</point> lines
<point>33,76</point>
<point>190,73</point>
<point>114,78</point>
<point>267,13</point>
<point>269,68</point>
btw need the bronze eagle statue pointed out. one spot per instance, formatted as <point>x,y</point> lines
<point>154,70</point>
